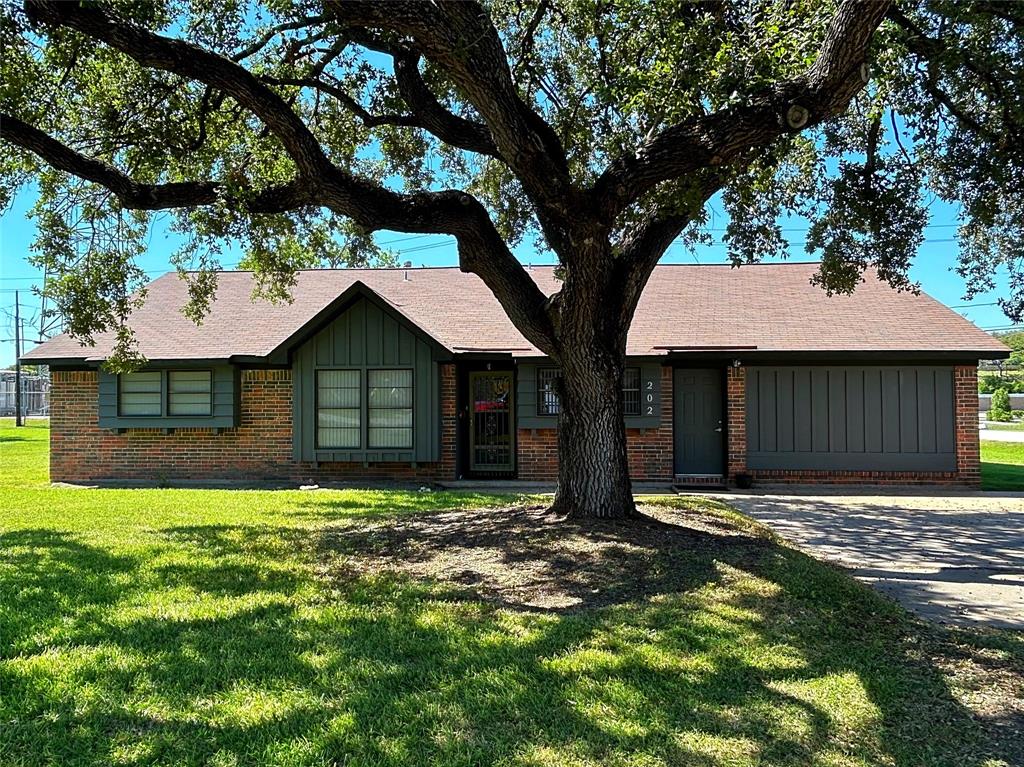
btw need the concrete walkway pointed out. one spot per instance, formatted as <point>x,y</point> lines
<point>1001,435</point>
<point>956,558</point>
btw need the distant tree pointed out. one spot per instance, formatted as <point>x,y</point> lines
<point>988,382</point>
<point>999,410</point>
<point>599,129</point>
<point>1015,340</point>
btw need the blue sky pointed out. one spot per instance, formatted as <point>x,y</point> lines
<point>933,267</point>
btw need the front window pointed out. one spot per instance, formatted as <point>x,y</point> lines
<point>631,391</point>
<point>547,393</point>
<point>189,392</point>
<point>139,393</point>
<point>338,409</point>
<point>389,408</point>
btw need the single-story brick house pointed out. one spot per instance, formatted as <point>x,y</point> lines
<point>418,375</point>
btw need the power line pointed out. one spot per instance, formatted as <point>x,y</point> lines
<point>435,245</point>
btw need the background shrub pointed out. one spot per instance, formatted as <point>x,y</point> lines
<point>1000,410</point>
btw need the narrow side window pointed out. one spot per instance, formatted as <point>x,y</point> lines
<point>389,408</point>
<point>338,415</point>
<point>547,393</point>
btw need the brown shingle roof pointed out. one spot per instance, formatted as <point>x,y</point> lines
<point>772,307</point>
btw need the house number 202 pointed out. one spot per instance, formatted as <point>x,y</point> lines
<point>650,397</point>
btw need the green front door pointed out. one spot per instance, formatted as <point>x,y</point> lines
<point>699,422</point>
<point>492,447</point>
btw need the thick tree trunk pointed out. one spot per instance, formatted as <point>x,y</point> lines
<point>593,471</point>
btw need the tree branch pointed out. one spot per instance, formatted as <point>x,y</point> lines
<point>188,60</point>
<point>641,248</point>
<point>930,50</point>
<point>368,119</point>
<point>139,196</point>
<point>461,40</point>
<point>273,32</point>
<point>373,207</point>
<point>448,127</point>
<point>721,137</point>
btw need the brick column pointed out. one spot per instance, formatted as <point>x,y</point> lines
<point>968,450</point>
<point>73,419</point>
<point>736,414</point>
<point>449,421</point>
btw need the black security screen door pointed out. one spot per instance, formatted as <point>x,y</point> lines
<point>491,445</point>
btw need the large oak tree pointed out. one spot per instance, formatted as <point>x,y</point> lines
<point>598,128</point>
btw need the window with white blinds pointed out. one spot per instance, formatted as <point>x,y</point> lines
<point>189,392</point>
<point>139,393</point>
<point>338,414</point>
<point>389,408</point>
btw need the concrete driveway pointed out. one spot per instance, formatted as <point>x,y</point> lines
<point>950,558</point>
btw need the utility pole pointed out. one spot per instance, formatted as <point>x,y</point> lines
<point>17,361</point>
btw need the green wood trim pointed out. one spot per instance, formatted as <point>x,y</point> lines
<point>367,337</point>
<point>225,405</point>
<point>851,417</point>
<point>342,304</point>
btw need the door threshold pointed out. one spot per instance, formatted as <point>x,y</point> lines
<point>690,481</point>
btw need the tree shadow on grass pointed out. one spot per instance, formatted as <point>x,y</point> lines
<point>331,505</point>
<point>680,645</point>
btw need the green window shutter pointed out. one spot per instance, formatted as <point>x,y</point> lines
<point>389,408</point>
<point>139,393</point>
<point>189,392</point>
<point>338,414</point>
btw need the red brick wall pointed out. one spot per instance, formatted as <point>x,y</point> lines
<point>968,449</point>
<point>650,450</point>
<point>259,448</point>
<point>736,421</point>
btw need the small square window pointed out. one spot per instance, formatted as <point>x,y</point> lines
<point>139,393</point>
<point>189,392</point>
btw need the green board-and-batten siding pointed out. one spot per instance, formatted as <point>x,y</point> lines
<point>367,336</point>
<point>526,397</point>
<point>225,381</point>
<point>870,418</point>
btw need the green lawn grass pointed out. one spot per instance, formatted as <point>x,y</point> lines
<point>1002,465</point>
<point>218,627</point>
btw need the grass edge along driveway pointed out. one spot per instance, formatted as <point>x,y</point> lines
<point>290,628</point>
<point>1002,465</point>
